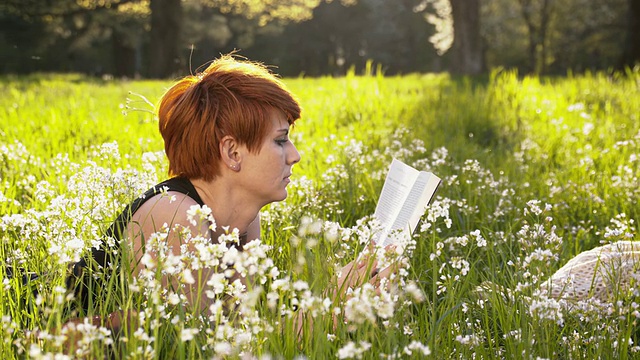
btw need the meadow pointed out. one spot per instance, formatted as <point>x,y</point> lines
<point>535,170</point>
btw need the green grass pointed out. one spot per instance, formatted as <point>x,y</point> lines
<point>503,146</point>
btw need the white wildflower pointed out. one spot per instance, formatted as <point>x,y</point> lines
<point>188,334</point>
<point>417,346</point>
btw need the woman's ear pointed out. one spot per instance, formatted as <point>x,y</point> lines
<point>229,153</point>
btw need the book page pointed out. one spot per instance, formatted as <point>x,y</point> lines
<point>405,195</point>
<point>418,199</point>
<point>395,190</point>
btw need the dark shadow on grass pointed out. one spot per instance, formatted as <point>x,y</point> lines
<point>468,118</point>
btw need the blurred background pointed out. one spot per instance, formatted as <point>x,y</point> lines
<point>166,38</point>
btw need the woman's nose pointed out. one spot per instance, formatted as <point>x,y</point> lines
<point>293,156</point>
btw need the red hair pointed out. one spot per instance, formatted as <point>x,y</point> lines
<point>231,97</point>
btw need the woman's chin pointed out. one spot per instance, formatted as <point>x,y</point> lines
<point>278,198</point>
<point>283,195</point>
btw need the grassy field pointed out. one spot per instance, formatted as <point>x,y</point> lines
<point>534,172</point>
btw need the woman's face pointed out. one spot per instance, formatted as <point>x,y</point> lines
<point>266,173</point>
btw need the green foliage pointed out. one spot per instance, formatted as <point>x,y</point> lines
<point>312,37</point>
<point>535,171</point>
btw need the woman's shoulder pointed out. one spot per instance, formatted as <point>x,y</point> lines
<point>176,185</point>
<point>167,203</point>
<point>168,206</point>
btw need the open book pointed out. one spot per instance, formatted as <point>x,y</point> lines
<point>405,195</point>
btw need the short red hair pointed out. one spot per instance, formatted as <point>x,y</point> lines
<point>231,97</point>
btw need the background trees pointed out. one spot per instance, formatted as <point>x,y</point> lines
<point>631,52</point>
<point>159,38</point>
<point>467,46</point>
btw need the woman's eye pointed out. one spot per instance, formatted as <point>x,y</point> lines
<point>281,141</point>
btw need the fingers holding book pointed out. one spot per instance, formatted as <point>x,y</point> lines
<point>383,279</point>
<point>368,269</point>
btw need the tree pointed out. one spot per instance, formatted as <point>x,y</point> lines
<point>70,35</point>
<point>502,34</point>
<point>466,49</point>
<point>457,26</point>
<point>126,38</point>
<point>631,54</point>
<point>537,17</point>
<point>128,35</point>
<point>585,34</point>
<point>166,25</point>
<point>340,37</point>
<point>329,42</point>
<point>268,10</point>
<point>397,35</point>
<point>576,34</point>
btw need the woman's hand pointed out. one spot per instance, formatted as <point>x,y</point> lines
<point>352,275</point>
<point>363,270</point>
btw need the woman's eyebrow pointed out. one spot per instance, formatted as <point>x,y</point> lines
<point>285,131</point>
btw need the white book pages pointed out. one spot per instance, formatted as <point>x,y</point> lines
<point>405,195</point>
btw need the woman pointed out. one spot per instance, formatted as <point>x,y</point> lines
<point>226,135</point>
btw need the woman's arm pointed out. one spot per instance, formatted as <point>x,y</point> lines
<point>148,220</point>
<point>354,274</point>
<point>151,218</point>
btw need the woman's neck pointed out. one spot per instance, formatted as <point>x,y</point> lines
<point>229,207</point>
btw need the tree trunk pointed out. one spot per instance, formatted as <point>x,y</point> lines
<point>466,50</point>
<point>166,24</point>
<point>124,55</point>
<point>545,18</point>
<point>631,55</point>
<point>537,19</point>
<point>527,11</point>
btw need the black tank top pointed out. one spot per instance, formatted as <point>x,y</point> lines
<point>81,281</point>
